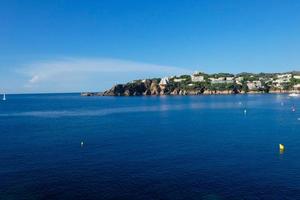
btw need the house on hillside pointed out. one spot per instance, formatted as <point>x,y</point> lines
<point>296,76</point>
<point>197,78</point>
<point>254,85</point>
<point>284,76</point>
<point>297,87</point>
<point>281,80</point>
<point>222,80</point>
<point>217,80</point>
<point>178,80</point>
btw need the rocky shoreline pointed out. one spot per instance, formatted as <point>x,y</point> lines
<point>192,93</point>
<point>205,84</point>
<point>153,89</point>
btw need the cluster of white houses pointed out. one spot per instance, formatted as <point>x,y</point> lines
<point>277,81</point>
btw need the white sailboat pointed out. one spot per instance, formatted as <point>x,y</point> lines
<point>4,98</point>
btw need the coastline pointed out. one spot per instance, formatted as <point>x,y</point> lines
<point>207,84</point>
<point>206,93</point>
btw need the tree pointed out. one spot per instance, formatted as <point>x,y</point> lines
<point>245,87</point>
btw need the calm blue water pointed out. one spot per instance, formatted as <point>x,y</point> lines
<point>198,147</point>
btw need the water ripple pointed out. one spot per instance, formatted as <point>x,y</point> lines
<point>109,111</point>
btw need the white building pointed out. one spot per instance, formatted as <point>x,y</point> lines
<point>281,80</point>
<point>229,79</point>
<point>222,80</point>
<point>284,76</point>
<point>197,78</point>
<point>296,76</point>
<point>254,85</point>
<point>297,87</point>
<point>217,80</point>
<point>177,80</point>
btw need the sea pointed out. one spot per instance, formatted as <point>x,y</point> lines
<point>65,146</point>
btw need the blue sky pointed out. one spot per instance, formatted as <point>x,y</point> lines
<point>65,46</point>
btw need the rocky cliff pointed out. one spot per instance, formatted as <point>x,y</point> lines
<point>206,84</point>
<point>152,87</point>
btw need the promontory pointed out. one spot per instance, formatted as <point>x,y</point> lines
<point>201,83</point>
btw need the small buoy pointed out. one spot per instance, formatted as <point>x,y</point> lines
<point>281,147</point>
<point>245,111</point>
<point>81,143</point>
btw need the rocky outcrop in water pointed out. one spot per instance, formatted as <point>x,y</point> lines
<point>150,87</point>
<point>147,87</point>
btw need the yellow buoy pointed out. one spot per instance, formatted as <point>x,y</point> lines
<point>281,147</point>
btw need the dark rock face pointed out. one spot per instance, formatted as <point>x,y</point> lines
<point>117,90</point>
<point>147,92</point>
<point>147,83</point>
<point>148,87</point>
<point>130,89</point>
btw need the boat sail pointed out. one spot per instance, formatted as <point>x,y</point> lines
<point>4,98</point>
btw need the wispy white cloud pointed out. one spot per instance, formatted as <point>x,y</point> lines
<point>77,74</point>
<point>34,79</point>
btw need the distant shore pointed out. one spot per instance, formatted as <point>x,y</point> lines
<point>206,93</point>
<point>208,84</point>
